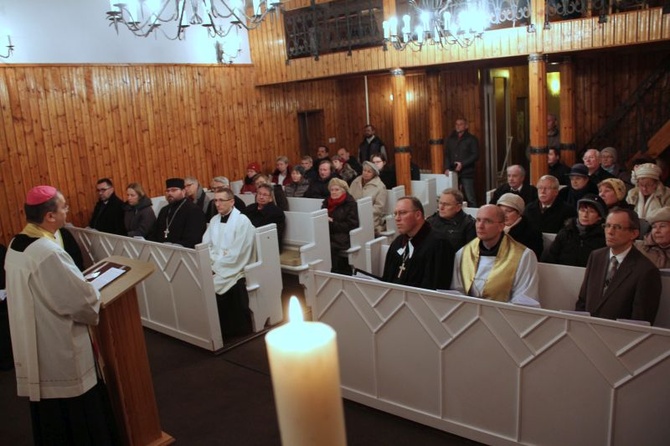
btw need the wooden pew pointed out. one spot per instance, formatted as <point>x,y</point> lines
<point>497,373</point>
<point>306,247</point>
<point>302,204</point>
<point>425,191</point>
<point>247,198</point>
<point>179,299</point>
<point>157,203</point>
<point>392,198</point>
<point>264,282</point>
<point>361,235</point>
<point>236,186</point>
<point>559,284</point>
<point>442,181</point>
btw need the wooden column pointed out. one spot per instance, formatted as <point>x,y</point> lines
<point>567,118</point>
<point>537,97</point>
<point>435,128</point>
<point>401,130</point>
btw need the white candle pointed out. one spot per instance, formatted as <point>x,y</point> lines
<point>306,381</point>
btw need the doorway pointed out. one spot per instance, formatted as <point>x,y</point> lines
<point>311,126</point>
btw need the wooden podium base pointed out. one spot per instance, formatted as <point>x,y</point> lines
<point>124,359</point>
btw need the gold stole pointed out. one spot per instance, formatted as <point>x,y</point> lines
<point>499,282</point>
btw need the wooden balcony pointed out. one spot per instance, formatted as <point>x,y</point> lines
<point>637,27</point>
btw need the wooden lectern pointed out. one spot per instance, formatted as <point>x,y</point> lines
<point>124,355</point>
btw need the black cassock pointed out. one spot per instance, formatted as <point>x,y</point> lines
<point>181,222</point>
<point>430,266</point>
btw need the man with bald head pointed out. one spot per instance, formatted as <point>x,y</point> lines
<point>596,172</point>
<point>494,266</point>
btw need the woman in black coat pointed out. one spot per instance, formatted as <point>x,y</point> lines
<point>139,216</point>
<point>342,218</point>
<point>581,235</point>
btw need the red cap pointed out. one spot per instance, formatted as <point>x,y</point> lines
<point>40,194</point>
<point>255,166</point>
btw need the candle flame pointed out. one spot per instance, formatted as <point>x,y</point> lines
<point>294,310</point>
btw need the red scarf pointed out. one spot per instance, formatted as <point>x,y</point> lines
<point>333,203</point>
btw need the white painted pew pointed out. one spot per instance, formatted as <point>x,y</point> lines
<point>391,199</point>
<point>494,372</point>
<point>179,299</point>
<point>442,181</point>
<point>425,191</point>
<point>559,284</point>
<point>236,186</point>
<point>364,233</point>
<point>302,204</point>
<point>264,282</point>
<point>247,198</point>
<point>157,203</point>
<point>307,236</point>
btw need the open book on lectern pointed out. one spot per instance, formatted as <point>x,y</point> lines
<point>101,275</point>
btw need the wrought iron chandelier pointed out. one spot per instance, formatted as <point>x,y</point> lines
<point>10,48</point>
<point>441,22</point>
<point>219,17</point>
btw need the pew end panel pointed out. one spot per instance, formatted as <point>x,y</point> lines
<point>236,186</point>
<point>302,204</point>
<point>364,233</point>
<point>409,352</point>
<point>442,181</point>
<point>425,191</point>
<point>264,282</point>
<point>178,299</point>
<point>307,235</point>
<point>158,203</point>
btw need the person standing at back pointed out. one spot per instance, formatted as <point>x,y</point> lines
<point>461,154</point>
<point>370,145</point>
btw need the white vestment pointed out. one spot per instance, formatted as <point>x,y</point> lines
<point>50,307</point>
<point>231,248</point>
<point>526,281</point>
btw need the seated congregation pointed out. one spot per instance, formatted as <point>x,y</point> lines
<point>478,255</point>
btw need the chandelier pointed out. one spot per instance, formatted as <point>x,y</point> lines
<point>441,22</point>
<point>10,48</point>
<point>218,17</point>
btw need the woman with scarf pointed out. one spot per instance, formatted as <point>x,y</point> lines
<point>368,184</point>
<point>342,218</point>
<point>139,217</point>
<point>580,235</point>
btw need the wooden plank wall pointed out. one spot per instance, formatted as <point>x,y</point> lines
<point>69,125</point>
<point>623,29</point>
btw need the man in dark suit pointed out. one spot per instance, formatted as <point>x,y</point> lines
<point>547,213</point>
<point>620,282</point>
<point>108,213</point>
<point>516,184</point>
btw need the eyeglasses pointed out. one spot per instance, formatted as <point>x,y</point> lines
<point>444,204</point>
<point>401,213</point>
<point>258,194</point>
<point>102,189</point>
<point>615,226</point>
<point>221,200</point>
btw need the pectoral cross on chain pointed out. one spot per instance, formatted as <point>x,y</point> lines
<point>401,270</point>
<point>166,232</point>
